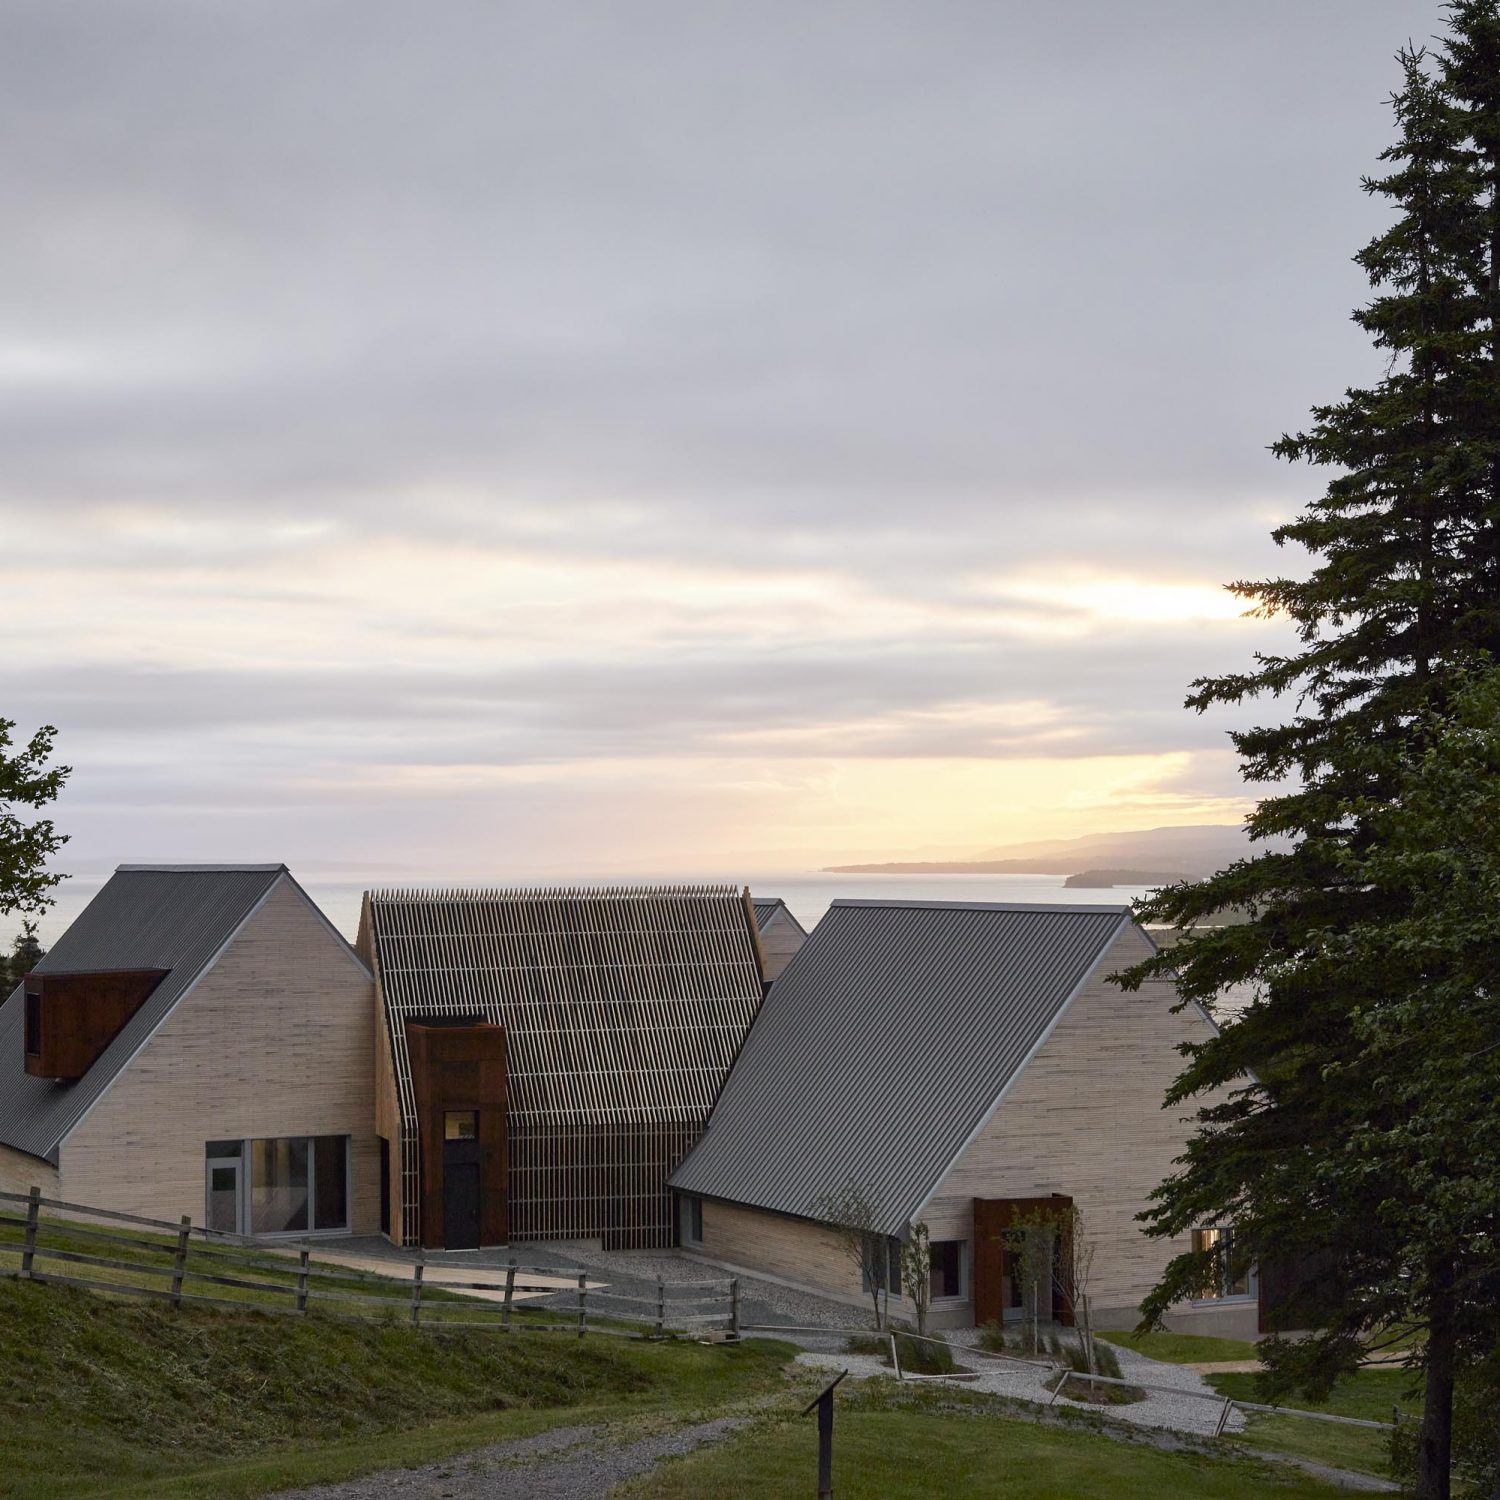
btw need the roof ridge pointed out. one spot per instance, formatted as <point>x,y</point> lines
<point>551,892</point>
<point>1067,908</point>
<point>246,869</point>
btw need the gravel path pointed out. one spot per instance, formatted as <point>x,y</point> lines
<point>567,1463</point>
<point>1187,1412</point>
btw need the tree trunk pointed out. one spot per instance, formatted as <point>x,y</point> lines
<point>1434,1445</point>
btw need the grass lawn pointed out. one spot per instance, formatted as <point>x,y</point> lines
<point>1370,1394</point>
<point>102,1396</point>
<point>914,1455</point>
<point>1182,1348</point>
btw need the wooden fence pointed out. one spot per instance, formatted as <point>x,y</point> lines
<point>130,1256</point>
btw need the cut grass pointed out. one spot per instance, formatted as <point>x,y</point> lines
<point>1370,1394</point>
<point>103,1396</point>
<point>910,1455</point>
<point>1182,1348</point>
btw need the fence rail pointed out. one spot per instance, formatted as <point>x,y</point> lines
<point>182,1259</point>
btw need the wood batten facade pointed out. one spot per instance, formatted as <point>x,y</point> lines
<point>622,1012</point>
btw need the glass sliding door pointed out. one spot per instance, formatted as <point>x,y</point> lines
<point>331,1182</point>
<point>223,1165</point>
<point>280,1186</point>
<point>299,1184</point>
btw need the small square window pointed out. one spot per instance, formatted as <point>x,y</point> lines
<point>461,1125</point>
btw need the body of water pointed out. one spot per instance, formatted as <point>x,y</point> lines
<point>808,893</point>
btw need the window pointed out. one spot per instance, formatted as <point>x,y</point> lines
<point>888,1271</point>
<point>461,1125</point>
<point>691,1222</point>
<point>1231,1274</point>
<point>299,1184</point>
<point>385,1185</point>
<point>33,1024</point>
<point>945,1260</point>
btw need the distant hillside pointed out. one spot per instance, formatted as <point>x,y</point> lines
<point>1192,851</point>
<point>1103,880</point>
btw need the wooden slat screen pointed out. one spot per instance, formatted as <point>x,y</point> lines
<point>623,1010</point>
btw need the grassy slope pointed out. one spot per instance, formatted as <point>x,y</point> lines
<point>1370,1394</point>
<point>145,1260</point>
<point>908,1455</point>
<point>101,1396</point>
<point>1182,1348</point>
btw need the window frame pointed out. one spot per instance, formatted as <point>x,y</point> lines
<point>962,1294</point>
<point>32,1024</point>
<point>245,1207</point>
<point>690,1220</point>
<point>1223,1248</point>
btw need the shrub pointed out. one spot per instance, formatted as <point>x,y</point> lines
<point>929,1356</point>
<point>1107,1363</point>
<point>868,1343</point>
<point>992,1338</point>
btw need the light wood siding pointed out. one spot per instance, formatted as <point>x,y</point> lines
<point>779,944</point>
<point>387,1113</point>
<point>276,1039</point>
<point>20,1172</point>
<point>1084,1118</point>
<point>789,1248</point>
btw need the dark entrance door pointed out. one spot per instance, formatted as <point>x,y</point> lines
<point>461,1205</point>
<point>461,1179</point>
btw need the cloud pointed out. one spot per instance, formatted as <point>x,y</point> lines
<point>664,406</point>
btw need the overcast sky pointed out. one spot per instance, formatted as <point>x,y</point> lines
<point>544,439</point>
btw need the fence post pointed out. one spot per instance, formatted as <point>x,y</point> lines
<point>1223,1417</point>
<point>28,1248</point>
<point>661,1307</point>
<point>510,1293</point>
<point>734,1306</point>
<point>416,1290</point>
<point>179,1259</point>
<point>583,1293</point>
<point>302,1280</point>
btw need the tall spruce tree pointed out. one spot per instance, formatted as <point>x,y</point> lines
<point>1403,600</point>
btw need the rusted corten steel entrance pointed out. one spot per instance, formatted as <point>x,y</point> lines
<point>998,1224</point>
<point>458,1076</point>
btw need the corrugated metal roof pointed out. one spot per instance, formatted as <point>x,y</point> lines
<point>170,917</point>
<point>884,1045</point>
<point>618,1004</point>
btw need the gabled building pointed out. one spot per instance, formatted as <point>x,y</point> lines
<point>781,934</point>
<point>200,1041</point>
<point>971,1067</point>
<point>547,1058</point>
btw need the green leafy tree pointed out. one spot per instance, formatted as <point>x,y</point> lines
<point>1403,600</point>
<point>25,954</point>
<point>27,785</point>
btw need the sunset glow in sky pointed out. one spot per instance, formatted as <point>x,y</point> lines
<point>546,440</point>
